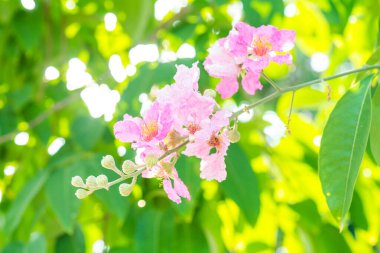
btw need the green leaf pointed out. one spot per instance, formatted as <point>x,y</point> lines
<point>375,57</point>
<point>342,148</point>
<point>71,243</point>
<point>188,171</point>
<point>241,184</point>
<point>374,132</point>
<point>113,201</point>
<point>24,197</point>
<point>61,195</point>
<point>87,131</point>
<point>155,231</point>
<point>37,243</point>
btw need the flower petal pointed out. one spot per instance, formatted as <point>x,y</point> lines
<point>251,82</point>
<point>227,87</point>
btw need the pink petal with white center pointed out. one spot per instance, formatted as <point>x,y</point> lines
<point>227,87</point>
<point>251,82</point>
<point>214,168</point>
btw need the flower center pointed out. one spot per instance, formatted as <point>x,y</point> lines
<point>259,47</point>
<point>149,130</point>
<point>193,127</point>
<point>215,141</point>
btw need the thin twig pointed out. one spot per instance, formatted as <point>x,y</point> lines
<point>300,86</point>
<point>290,113</point>
<point>271,82</point>
<point>40,118</point>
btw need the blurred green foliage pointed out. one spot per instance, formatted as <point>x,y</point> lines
<point>272,200</point>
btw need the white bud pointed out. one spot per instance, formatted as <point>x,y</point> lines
<point>81,193</point>
<point>102,181</point>
<point>128,167</point>
<point>150,161</point>
<point>108,162</point>
<point>77,181</point>
<point>125,189</point>
<point>233,135</point>
<point>209,93</point>
<point>91,182</point>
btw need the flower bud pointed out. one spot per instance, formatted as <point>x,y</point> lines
<point>150,161</point>
<point>108,162</point>
<point>81,193</point>
<point>167,166</point>
<point>91,182</point>
<point>77,181</point>
<point>125,189</point>
<point>102,181</point>
<point>233,135</point>
<point>128,167</point>
<point>209,93</point>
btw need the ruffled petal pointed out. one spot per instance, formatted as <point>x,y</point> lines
<point>227,87</point>
<point>172,194</point>
<point>214,168</point>
<point>251,82</point>
<point>127,130</point>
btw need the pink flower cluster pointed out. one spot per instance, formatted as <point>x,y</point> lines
<point>246,51</point>
<point>179,112</point>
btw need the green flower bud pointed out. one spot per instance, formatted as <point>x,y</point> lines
<point>209,93</point>
<point>108,162</point>
<point>125,189</point>
<point>150,161</point>
<point>91,182</point>
<point>77,181</point>
<point>81,193</point>
<point>102,181</point>
<point>233,135</point>
<point>128,167</point>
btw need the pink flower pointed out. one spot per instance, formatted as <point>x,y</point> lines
<point>153,127</point>
<point>256,47</point>
<point>247,51</point>
<point>210,144</point>
<point>188,106</point>
<point>168,173</point>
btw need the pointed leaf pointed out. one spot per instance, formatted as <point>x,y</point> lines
<point>342,148</point>
<point>24,197</point>
<point>241,183</point>
<point>374,132</point>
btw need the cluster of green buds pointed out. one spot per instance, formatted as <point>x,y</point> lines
<point>129,170</point>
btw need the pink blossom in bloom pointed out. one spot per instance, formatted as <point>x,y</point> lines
<point>153,127</point>
<point>247,51</point>
<point>210,144</point>
<point>188,106</point>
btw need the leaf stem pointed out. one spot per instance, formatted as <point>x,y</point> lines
<point>271,82</point>
<point>300,86</point>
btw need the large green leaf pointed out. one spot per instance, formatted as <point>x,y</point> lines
<point>87,131</point>
<point>71,243</point>
<point>241,184</point>
<point>154,232</point>
<point>342,148</point>
<point>37,243</point>
<point>374,132</point>
<point>61,195</point>
<point>25,196</point>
